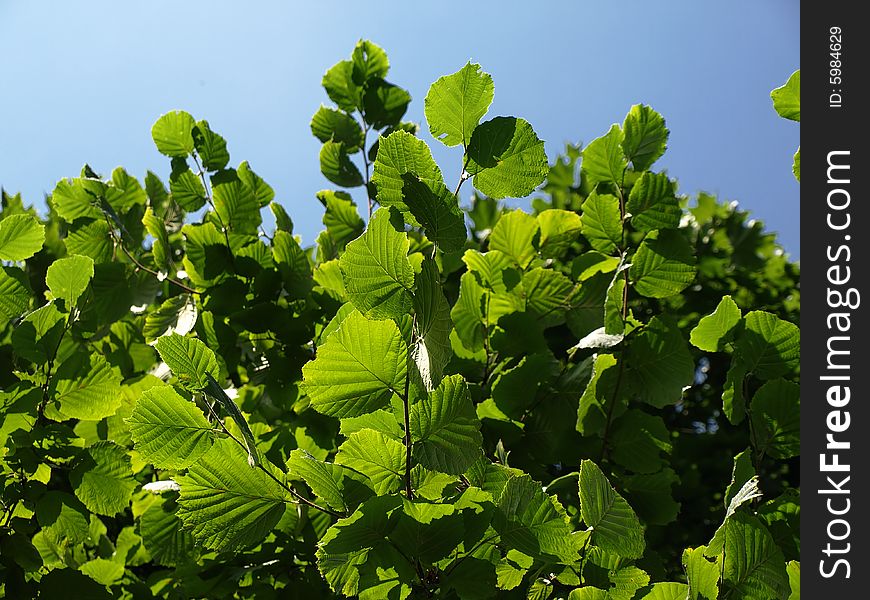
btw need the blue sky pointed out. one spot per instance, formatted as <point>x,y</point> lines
<point>83,82</point>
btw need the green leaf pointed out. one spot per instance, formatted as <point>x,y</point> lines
<point>380,458</point>
<point>189,359</point>
<point>67,278</point>
<point>341,87</point>
<point>646,137</point>
<point>787,98</point>
<point>514,390</point>
<point>341,218</point>
<point>103,479</point>
<point>358,369</point>
<point>169,431</point>
<point>754,564</point>
<point>588,592</point>
<point>369,61</point>
<point>173,134</point>
<point>652,494</point>
<point>431,351</point>
<point>176,315</point>
<point>599,394</point>
<point>603,159</point>
<point>638,439</point>
<point>378,276</point>
<point>455,104</point>
<point>793,568</point>
<point>103,570</point>
<point>86,387</point>
<point>21,236</point>
<point>76,198</point>
<point>659,363</point>
<point>559,230</point>
<point>400,153</point>
<point>516,234</point>
<point>663,265</point>
<point>163,535</point>
<point>236,206</point>
<point>14,292</point>
<point>614,324</point>
<point>615,526</point>
<point>775,415</point>
<point>293,264</point>
<point>717,329</point>
<point>506,158</point>
<point>212,148</point>
<point>329,124</point>
<point>532,522</point>
<point>796,167</point>
<point>444,428</point>
<point>62,517</point>
<point>215,391</point>
<point>92,238</point>
<point>263,192</point>
<point>437,210</point>
<point>37,337</point>
<point>187,189</point>
<point>337,167</point>
<point>733,402</point>
<point>428,532</point>
<point>703,575</point>
<point>227,505</point>
<point>349,548</point>
<point>384,104</point>
<point>124,191</point>
<point>666,590</point>
<point>601,222</point>
<point>741,472</point>
<point>652,203</point>
<point>325,479</point>
<point>769,346</point>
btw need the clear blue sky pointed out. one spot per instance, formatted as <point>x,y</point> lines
<point>83,82</point>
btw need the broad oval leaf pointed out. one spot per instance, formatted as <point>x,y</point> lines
<point>103,479</point>
<point>329,124</point>
<point>190,360</point>
<point>645,137</point>
<point>444,428</point>
<point>717,329</point>
<point>169,431</point>
<point>21,236</point>
<point>173,134</point>
<point>787,98</point>
<point>67,278</point>
<point>603,159</point>
<point>615,526</point>
<point>506,158</point>
<point>226,504</point>
<point>455,104</point>
<point>358,369</point>
<point>377,274</point>
<point>663,265</point>
<point>399,153</point>
<point>769,347</point>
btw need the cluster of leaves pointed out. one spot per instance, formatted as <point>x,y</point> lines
<point>440,402</point>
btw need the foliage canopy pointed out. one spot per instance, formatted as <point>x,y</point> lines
<point>593,399</point>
